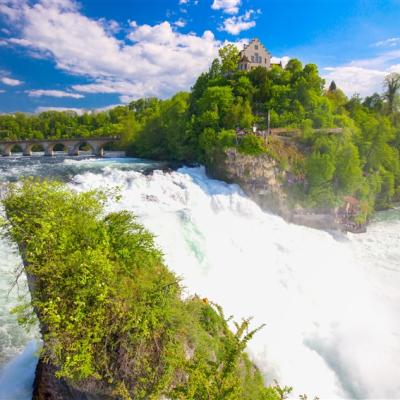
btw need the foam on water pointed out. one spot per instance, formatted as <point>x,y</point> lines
<point>332,328</point>
<point>331,304</point>
<point>17,346</point>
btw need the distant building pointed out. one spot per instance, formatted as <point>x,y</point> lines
<point>255,55</point>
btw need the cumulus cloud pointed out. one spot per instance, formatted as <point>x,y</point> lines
<point>394,68</point>
<point>236,24</point>
<point>364,76</point>
<point>53,93</point>
<point>10,81</point>
<point>227,6</point>
<point>151,61</point>
<point>353,79</point>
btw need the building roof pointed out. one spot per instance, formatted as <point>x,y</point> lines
<point>255,40</point>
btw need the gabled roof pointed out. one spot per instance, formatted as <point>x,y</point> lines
<point>258,42</point>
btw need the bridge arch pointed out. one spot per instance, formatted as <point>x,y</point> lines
<point>51,147</point>
<point>37,147</point>
<point>84,145</point>
<point>73,145</point>
<point>16,148</point>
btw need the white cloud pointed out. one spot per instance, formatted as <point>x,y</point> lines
<point>2,91</point>
<point>364,76</point>
<point>380,61</point>
<point>11,9</point>
<point>53,93</point>
<point>391,42</point>
<point>10,82</point>
<point>283,60</point>
<point>353,79</point>
<point>183,1</point>
<point>152,60</point>
<point>118,87</point>
<point>180,23</point>
<point>394,68</point>
<point>236,24</point>
<point>79,111</point>
<point>227,6</point>
<point>111,26</point>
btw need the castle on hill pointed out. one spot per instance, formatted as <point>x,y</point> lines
<point>254,55</point>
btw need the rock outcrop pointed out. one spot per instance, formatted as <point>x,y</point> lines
<point>262,179</point>
<point>47,387</point>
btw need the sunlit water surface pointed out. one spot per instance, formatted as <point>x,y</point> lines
<point>330,302</point>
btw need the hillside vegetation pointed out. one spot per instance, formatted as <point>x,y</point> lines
<point>362,161</point>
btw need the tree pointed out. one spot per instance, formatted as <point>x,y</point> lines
<point>374,102</point>
<point>215,69</point>
<point>348,171</point>
<point>230,57</point>
<point>332,86</point>
<point>392,84</point>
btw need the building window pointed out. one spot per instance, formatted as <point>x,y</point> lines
<point>252,58</point>
<point>256,46</point>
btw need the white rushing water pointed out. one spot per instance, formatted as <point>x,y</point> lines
<point>330,304</point>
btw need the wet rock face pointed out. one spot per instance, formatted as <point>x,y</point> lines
<point>263,181</point>
<point>47,387</point>
<point>259,176</point>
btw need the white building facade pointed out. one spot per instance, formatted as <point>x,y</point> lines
<point>254,55</point>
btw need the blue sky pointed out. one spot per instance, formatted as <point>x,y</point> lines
<point>97,53</point>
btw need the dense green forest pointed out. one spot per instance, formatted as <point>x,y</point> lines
<point>111,313</point>
<point>362,160</point>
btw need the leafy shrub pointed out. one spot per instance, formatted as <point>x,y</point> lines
<point>252,145</point>
<point>110,310</point>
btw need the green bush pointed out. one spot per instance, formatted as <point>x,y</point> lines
<point>110,310</point>
<point>252,145</point>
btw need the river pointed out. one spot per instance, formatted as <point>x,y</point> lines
<point>331,302</point>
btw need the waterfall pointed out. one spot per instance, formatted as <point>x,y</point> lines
<point>330,302</point>
<point>332,327</point>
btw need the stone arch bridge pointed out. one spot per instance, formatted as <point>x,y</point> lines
<point>71,145</point>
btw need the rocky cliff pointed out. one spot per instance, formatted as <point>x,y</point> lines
<point>47,387</point>
<point>262,179</point>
